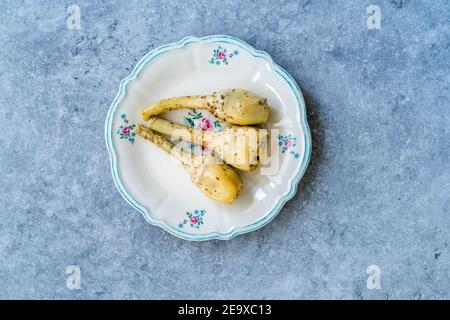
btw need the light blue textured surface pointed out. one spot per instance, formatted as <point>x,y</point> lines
<point>377,190</point>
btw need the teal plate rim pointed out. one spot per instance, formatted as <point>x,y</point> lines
<point>269,216</point>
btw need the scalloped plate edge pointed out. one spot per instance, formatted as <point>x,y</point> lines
<point>269,216</point>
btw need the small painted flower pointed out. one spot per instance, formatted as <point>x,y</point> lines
<point>194,219</point>
<point>125,132</point>
<point>195,119</point>
<point>220,56</point>
<point>206,124</point>
<point>288,142</point>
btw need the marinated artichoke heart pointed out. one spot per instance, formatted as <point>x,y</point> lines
<point>239,146</point>
<point>233,106</point>
<point>217,180</point>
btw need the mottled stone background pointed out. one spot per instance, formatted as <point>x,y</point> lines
<point>377,190</point>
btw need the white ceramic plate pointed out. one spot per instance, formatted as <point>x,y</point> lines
<point>156,185</point>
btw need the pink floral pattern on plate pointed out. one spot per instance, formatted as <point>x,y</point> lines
<point>126,131</point>
<point>193,219</point>
<point>221,56</point>
<point>196,119</point>
<point>287,143</point>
